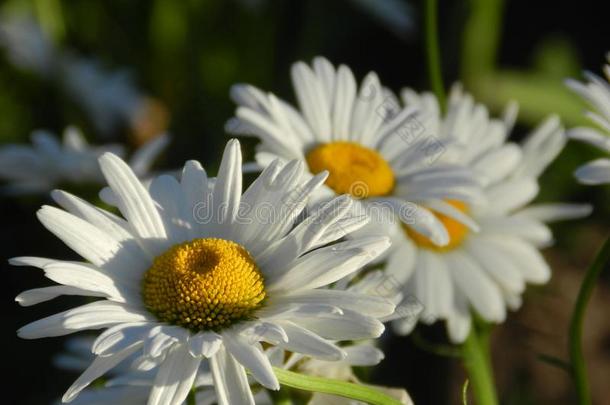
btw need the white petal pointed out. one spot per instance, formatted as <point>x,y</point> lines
<point>327,265</point>
<point>555,212</point>
<point>98,368</point>
<point>364,304</point>
<point>251,356</point>
<point>422,220</point>
<point>96,315</point>
<point>590,136</point>
<point>525,228</point>
<point>305,236</point>
<point>105,221</point>
<point>166,191</point>
<point>311,97</point>
<point>82,237</point>
<point>363,355</point>
<point>38,295</point>
<point>347,326</point>
<point>510,195</point>
<point>497,164</point>
<point>267,332</point>
<point>175,377</point>
<point>459,323</point>
<point>452,212</point>
<point>345,92</point>
<point>82,276</point>
<point>474,283</point>
<point>143,157</point>
<point>594,173</point>
<point>496,263</point>
<point>135,203</point>
<point>196,193</point>
<point>525,257</point>
<point>204,344</point>
<point>119,337</point>
<point>39,262</point>
<point>163,337</point>
<point>230,380</point>
<point>301,340</point>
<point>227,191</point>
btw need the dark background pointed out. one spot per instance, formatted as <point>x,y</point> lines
<point>187,55</point>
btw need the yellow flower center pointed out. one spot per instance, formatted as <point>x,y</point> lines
<point>204,284</point>
<point>457,231</point>
<point>353,169</point>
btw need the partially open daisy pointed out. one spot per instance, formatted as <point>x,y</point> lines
<point>597,93</point>
<point>197,272</point>
<point>130,382</point>
<point>49,162</point>
<point>372,148</point>
<point>487,271</point>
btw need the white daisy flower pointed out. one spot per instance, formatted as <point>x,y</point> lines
<point>130,382</point>
<point>48,162</point>
<point>596,92</point>
<point>486,271</point>
<point>372,147</point>
<point>194,274</point>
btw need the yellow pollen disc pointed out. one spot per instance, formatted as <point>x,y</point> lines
<point>353,169</point>
<point>457,231</point>
<point>204,284</point>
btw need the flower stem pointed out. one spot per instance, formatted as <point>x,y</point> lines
<point>475,352</point>
<point>433,54</point>
<point>577,359</point>
<point>334,387</point>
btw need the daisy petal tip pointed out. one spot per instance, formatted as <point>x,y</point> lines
<point>57,194</point>
<point>107,157</point>
<point>378,330</point>
<point>232,125</point>
<point>15,261</point>
<point>232,145</point>
<point>24,333</point>
<point>440,239</point>
<point>586,210</point>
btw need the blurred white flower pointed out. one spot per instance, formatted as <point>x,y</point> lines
<point>109,98</point>
<point>493,249</point>
<point>49,162</point>
<point>129,382</point>
<point>372,147</point>
<point>596,92</point>
<point>27,46</point>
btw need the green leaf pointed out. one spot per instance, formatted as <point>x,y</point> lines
<point>555,362</point>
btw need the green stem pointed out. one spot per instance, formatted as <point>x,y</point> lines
<point>333,387</point>
<point>481,38</point>
<point>475,352</point>
<point>577,359</point>
<point>433,54</point>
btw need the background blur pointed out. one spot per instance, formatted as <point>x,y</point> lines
<point>183,56</point>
